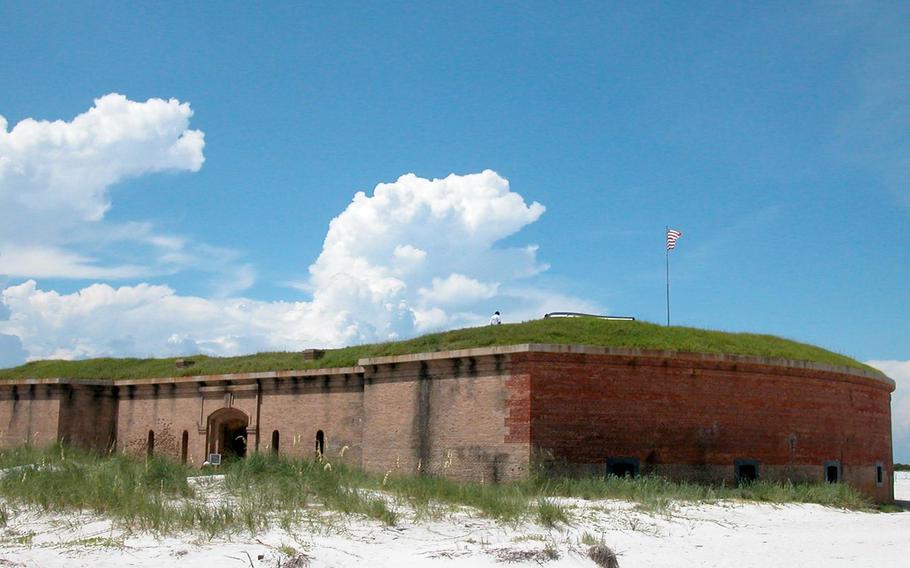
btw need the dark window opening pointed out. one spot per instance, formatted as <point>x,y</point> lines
<point>320,443</point>
<point>746,472</point>
<point>184,446</point>
<point>275,440</point>
<point>879,474</point>
<point>622,467</point>
<point>150,444</point>
<point>832,472</point>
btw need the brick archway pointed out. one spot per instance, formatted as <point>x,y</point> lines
<point>227,432</point>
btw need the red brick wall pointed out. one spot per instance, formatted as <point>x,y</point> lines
<point>88,416</point>
<point>295,406</point>
<point>167,409</point>
<point>443,416</point>
<point>29,414</point>
<point>300,407</point>
<point>694,417</point>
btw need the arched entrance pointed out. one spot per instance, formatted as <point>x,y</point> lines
<point>227,433</point>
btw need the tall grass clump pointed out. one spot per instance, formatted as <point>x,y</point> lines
<point>551,513</point>
<point>135,492</point>
<point>153,494</point>
<point>829,494</point>
<point>424,493</point>
<point>656,493</point>
<point>277,483</point>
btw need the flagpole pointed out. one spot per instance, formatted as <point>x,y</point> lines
<point>667,252</point>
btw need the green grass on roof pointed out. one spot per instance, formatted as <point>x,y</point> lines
<point>583,331</point>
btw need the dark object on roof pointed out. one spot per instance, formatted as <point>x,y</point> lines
<point>580,315</point>
<point>184,363</point>
<point>313,354</point>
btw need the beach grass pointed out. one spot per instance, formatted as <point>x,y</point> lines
<point>580,331</point>
<point>261,491</point>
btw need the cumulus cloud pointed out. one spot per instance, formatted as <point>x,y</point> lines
<point>457,289</point>
<point>55,180</point>
<point>420,254</point>
<point>900,406</point>
<point>67,167</point>
<point>414,256</point>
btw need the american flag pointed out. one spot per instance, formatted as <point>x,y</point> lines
<point>672,236</point>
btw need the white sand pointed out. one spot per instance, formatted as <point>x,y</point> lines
<point>729,535</point>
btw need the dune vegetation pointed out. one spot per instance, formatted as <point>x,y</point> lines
<point>263,490</point>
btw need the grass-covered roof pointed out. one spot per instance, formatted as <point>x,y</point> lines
<point>581,331</point>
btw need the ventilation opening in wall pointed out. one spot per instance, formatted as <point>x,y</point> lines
<point>879,474</point>
<point>622,467</point>
<point>320,443</point>
<point>746,472</point>
<point>275,441</point>
<point>832,472</point>
<point>150,444</point>
<point>184,446</point>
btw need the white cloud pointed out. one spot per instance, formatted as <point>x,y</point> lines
<point>416,255</point>
<point>407,253</point>
<point>900,406</point>
<point>457,289</point>
<point>67,167</point>
<point>43,261</point>
<point>55,181</point>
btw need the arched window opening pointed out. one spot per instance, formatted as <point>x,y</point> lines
<point>320,443</point>
<point>150,444</point>
<point>184,446</point>
<point>275,441</point>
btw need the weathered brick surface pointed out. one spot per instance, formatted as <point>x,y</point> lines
<point>168,410</point>
<point>693,418</point>
<point>88,416</point>
<point>444,417</point>
<point>29,414</point>
<point>300,407</point>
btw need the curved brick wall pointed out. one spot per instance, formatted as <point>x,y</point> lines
<point>495,414</point>
<point>695,416</point>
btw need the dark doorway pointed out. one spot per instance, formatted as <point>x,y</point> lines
<point>275,440</point>
<point>227,433</point>
<point>746,472</point>
<point>320,443</point>
<point>235,439</point>
<point>184,446</point>
<point>832,472</point>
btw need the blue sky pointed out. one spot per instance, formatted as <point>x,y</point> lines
<point>775,137</point>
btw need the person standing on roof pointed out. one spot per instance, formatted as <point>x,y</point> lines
<point>496,319</point>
